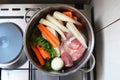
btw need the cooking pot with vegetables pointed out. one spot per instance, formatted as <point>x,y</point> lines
<point>59,40</point>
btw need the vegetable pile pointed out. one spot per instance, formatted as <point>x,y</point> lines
<point>57,42</point>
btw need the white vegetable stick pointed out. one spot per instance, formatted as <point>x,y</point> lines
<point>63,17</point>
<point>57,23</point>
<point>47,23</point>
<point>76,33</point>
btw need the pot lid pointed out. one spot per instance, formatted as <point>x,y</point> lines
<point>10,42</point>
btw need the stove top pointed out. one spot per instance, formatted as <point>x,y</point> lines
<point>15,13</point>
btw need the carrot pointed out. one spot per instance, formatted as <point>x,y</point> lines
<point>43,52</point>
<point>50,37</point>
<point>75,18</point>
<point>38,55</point>
<point>68,14</point>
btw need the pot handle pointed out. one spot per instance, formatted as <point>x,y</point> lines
<point>28,11</point>
<point>91,66</point>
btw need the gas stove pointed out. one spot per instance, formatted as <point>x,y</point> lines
<point>15,13</point>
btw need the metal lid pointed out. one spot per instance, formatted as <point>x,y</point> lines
<point>11,42</point>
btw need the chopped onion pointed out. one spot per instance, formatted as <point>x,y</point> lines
<point>76,33</point>
<point>61,16</point>
<point>57,23</point>
<point>47,23</point>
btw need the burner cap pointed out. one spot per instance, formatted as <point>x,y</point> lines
<point>11,42</point>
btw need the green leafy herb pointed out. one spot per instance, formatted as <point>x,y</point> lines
<point>47,46</point>
<point>37,39</point>
<point>47,65</point>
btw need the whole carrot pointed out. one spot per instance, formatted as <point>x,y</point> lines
<point>50,37</point>
<point>38,55</point>
<point>43,52</point>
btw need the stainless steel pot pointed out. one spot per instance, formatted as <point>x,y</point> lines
<point>12,54</point>
<point>88,31</point>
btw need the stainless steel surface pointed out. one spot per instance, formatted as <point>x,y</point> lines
<point>15,13</point>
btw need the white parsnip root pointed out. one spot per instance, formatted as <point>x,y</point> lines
<point>76,33</point>
<point>60,16</point>
<point>57,23</point>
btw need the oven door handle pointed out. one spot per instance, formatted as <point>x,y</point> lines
<point>28,11</point>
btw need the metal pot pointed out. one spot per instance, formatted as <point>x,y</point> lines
<point>11,46</point>
<point>88,31</point>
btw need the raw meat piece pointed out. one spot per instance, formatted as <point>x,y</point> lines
<point>67,59</point>
<point>73,47</point>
